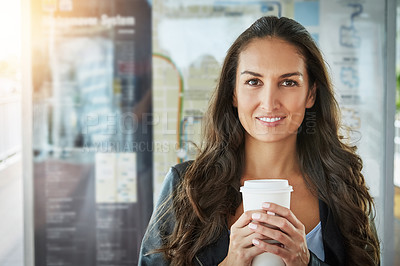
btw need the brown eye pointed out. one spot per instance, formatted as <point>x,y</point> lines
<point>289,83</point>
<point>253,82</point>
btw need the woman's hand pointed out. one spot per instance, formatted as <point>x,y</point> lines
<point>241,248</point>
<point>293,248</point>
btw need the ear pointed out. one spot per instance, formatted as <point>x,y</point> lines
<point>312,94</point>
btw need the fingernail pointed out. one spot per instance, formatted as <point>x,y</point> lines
<point>252,226</point>
<point>255,216</point>
<point>255,242</point>
<point>270,213</point>
<point>266,205</point>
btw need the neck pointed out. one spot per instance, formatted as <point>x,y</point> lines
<point>270,160</point>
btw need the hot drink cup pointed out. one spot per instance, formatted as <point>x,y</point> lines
<point>255,193</point>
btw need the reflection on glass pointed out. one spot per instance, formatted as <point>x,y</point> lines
<point>92,130</point>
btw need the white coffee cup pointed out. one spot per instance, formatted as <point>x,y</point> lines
<point>255,193</point>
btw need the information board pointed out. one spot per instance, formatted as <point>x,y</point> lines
<point>92,133</point>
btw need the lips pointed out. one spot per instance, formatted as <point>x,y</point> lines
<point>271,120</point>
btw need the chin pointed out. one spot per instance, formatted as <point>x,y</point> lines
<point>275,137</point>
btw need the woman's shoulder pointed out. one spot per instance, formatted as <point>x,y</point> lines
<point>174,177</point>
<point>180,169</point>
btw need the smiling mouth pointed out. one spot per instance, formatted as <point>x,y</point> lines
<point>271,121</point>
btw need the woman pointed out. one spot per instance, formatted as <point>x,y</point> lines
<point>273,115</point>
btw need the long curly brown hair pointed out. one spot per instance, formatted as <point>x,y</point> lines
<point>209,191</point>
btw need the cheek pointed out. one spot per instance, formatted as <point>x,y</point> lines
<point>245,101</point>
<point>296,108</point>
<point>245,108</point>
<point>295,102</point>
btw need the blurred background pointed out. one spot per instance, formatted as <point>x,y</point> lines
<point>99,98</point>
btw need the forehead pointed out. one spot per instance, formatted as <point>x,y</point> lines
<point>271,53</point>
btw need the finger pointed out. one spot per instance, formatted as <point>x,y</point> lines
<point>275,222</point>
<point>243,240</point>
<point>301,257</point>
<point>254,251</point>
<point>246,242</point>
<point>248,254</point>
<point>240,228</point>
<point>244,219</point>
<point>270,233</point>
<point>271,248</point>
<point>273,208</point>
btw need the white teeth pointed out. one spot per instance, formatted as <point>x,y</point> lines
<point>267,119</point>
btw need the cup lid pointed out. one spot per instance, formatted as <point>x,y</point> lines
<point>264,190</point>
<point>266,185</point>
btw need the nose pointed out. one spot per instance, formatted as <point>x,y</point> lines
<point>269,97</point>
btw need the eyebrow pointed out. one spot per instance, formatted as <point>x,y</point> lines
<point>251,73</point>
<point>282,76</point>
<point>291,74</point>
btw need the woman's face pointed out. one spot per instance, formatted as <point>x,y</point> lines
<point>271,92</point>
